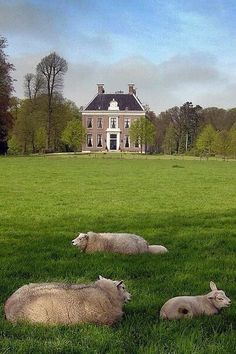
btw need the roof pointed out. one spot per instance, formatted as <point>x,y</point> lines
<point>125,102</point>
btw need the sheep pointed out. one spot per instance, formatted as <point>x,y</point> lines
<point>115,242</point>
<point>190,306</point>
<point>57,303</point>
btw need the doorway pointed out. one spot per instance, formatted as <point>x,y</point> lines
<point>113,141</point>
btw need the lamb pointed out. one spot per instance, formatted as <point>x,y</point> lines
<point>190,306</point>
<point>55,303</point>
<point>115,242</point>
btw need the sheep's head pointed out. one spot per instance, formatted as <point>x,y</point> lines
<point>218,297</point>
<point>120,286</point>
<point>81,241</point>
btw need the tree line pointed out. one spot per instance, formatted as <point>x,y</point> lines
<point>195,130</point>
<point>45,121</point>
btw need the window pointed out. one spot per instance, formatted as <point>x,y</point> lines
<point>113,123</point>
<point>136,144</point>
<point>127,122</point>
<point>89,123</point>
<point>127,144</point>
<point>89,140</point>
<point>99,140</point>
<point>99,123</point>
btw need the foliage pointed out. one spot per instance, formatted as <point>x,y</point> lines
<point>142,132</point>
<point>169,144</point>
<point>14,147</point>
<point>222,143</point>
<point>232,138</point>
<point>46,201</point>
<point>74,134</point>
<point>40,138</point>
<point>6,88</point>
<point>52,68</point>
<point>30,125</point>
<point>206,142</point>
<point>188,122</point>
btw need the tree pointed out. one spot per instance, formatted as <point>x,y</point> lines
<point>189,125</point>
<point>230,118</point>
<point>6,88</point>
<point>34,85</point>
<point>52,68</point>
<point>142,132</point>
<point>163,122</point>
<point>74,134</point>
<point>206,140</point>
<point>24,128</point>
<point>169,144</point>
<point>222,143</point>
<point>214,116</point>
<point>232,139</point>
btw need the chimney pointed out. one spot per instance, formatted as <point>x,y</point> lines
<point>131,89</point>
<point>100,88</point>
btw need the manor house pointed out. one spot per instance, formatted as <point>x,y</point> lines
<point>107,119</point>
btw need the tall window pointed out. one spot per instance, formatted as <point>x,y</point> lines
<point>127,122</point>
<point>89,123</point>
<point>113,123</point>
<point>127,142</point>
<point>89,140</point>
<point>99,123</point>
<point>99,140</point>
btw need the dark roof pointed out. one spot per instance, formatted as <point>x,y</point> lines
<point>125,102</point>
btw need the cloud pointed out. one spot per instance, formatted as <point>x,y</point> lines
<point>194,77</point>
<point>25,18</point>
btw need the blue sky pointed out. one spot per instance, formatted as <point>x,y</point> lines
<point>174,51</point>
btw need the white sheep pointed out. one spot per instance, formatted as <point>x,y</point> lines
<point>189,306</point>
<point>55,303</point>
<point>115,242</point>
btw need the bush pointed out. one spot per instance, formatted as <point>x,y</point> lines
<point>14,147</point>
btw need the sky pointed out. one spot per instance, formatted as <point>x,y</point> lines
<point>173,51</point>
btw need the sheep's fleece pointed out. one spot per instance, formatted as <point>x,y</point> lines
<point>55,303</point>
<point>189,306</point>
<point>125,243</point>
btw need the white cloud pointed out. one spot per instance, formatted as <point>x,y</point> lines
<point>193,78</point>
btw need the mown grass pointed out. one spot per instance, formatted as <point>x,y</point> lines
<point>188,206</point>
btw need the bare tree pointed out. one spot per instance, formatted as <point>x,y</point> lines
<point>34,84</point>
<point>53,68</point>
<point>28,85</point>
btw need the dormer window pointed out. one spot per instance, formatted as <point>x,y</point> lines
<point>113,105</point>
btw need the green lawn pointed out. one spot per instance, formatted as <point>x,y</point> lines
<point>188,206</point>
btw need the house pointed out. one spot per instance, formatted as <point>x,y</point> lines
<point>107,119</point>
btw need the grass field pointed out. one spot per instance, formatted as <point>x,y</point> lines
<point>188,206</point>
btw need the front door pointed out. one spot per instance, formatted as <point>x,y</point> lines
<point>113,141</point>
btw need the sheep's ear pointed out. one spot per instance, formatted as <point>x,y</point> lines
<point>101,278</point>
<point>213,286</point>
<point>119,283</point>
